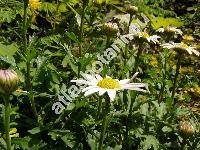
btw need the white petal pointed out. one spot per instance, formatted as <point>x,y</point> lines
<point>196,52</point>
<point>138,89</point>
<point>189,51</point>
<point>135,86</point>
<point>98,77</point>
<point>88,88</point>
<point>101,91</point>
<point>79,81</point>
<point>108,76</point>
<point>111,94</point>
<point>88,76</point>
<point>124,81</point>
<point>91,91</point>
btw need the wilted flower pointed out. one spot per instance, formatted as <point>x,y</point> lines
<point>186,128</point>
<point>34,4</point>
<point>8,81</point>
<point>95,83</point>
<point>182,46</point>
<point>170,30</point>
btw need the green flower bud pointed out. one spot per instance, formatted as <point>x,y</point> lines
<point>8,81</point>
<point>186,128</point>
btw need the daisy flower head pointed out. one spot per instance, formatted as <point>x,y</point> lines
<point>34,4</point>
<point>96,83</point>
<point>170,30</point>
<point>182,46</point>
<point>145,35</point>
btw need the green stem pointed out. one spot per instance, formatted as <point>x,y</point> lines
<point>56,12</point>
<point>31,97</point>
<point>107,41</point>
<point>25,45</point>
<point>126,47</point>
<point>28,63</point>
<point>81,30</point>
<point>176,76</point>
<point>25,24</point>
<point>137,62</point>
<point>104,125</point>
<point>99,108</point>
<point>164,77</point>
<point>81,38</point>
<point>7,122</point>
<point>137,59</point>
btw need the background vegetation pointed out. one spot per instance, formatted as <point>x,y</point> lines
<point>49,46</point>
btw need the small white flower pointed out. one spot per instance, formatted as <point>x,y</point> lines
<point>95,83</point>
<point>170,29</point>
<point>183,46</point>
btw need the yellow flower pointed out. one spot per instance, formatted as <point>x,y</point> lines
<point>12,133</point>
<point>188,38</point>
<point>20,91</point>
<point>34,4</point>
<point>186,70</point>
<point>154,61</point>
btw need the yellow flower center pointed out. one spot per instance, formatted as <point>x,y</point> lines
<point>34,4</point>
<point>144,34</point>
<point>108,83</point>
<point>183,45</point>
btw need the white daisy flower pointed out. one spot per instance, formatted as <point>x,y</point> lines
<point>95,83</point>
<point>170,29</point>
<point>145,35</point>
<point>183,46</point>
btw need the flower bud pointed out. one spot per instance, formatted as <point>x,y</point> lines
<point>8,81</point>
<point>186,128</point>
<point>110,28</point>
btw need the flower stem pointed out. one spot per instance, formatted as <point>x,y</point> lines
<point>7,121</point>
<point>99,108</point>
<point>28,63</point>
<point>25,24</point>
<point>81,30</point>
<point>134,95</point>
<point>163,77</point>
<point>81,38</point>
<point>104,125</point>
<point>176,77</point>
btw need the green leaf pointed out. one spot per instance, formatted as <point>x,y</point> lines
<point>22,142</point>
<point>35,130</point>
<point>72,36</point>
<point>159,22</point>
<point>149,142</point>
<point>8,50</point>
